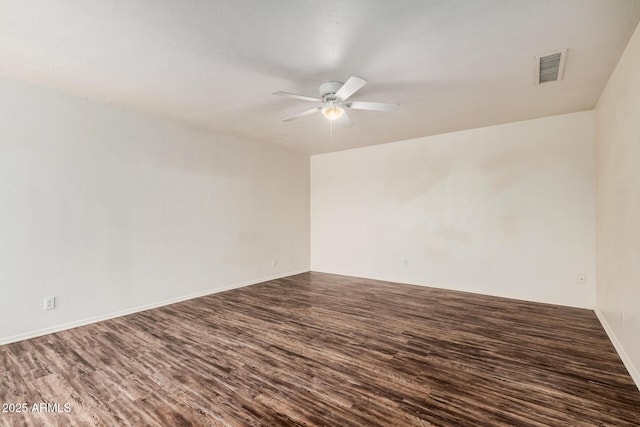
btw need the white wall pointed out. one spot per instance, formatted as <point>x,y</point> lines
<point>618,207</point>
<point>505,210</point>
<point>110,211</point>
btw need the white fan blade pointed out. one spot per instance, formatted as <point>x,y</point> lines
<point>374,106</point>
<point>350,87</point>
<point>345,121</point>
<point>304,113</point>
<point>296,96</point>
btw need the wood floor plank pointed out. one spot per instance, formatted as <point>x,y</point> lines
<point>326,350</point>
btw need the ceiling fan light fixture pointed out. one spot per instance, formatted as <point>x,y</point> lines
<point>332,111</point>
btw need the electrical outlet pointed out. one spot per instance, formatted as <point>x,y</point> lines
<point>405,263</point>
<point>50,303</point>
<point>582,278</point>
<point>622,316</point>
<point>274,262</point>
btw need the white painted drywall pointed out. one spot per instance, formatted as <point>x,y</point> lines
<point>110,211</point>
<point>462,64</point>
<point>618,207</point>
<point>506,210</point>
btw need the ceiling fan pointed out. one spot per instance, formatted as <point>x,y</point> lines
<point>334,97</point>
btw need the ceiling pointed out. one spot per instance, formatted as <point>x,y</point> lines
<point>450,64</point>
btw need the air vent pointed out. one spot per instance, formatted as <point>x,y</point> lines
<point>550,66</point>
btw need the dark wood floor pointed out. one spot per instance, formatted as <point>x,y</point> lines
<point>318,349</point>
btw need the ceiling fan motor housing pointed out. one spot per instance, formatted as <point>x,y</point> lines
<point>328,90</point>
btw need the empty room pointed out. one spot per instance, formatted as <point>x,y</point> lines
<point>320,213</point>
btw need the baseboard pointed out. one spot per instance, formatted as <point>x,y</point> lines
<point>635,376</point>
<point>95,319</point>
<point>468,290</point>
